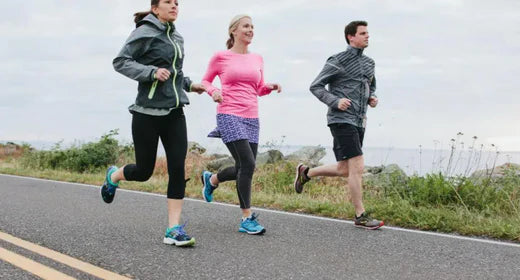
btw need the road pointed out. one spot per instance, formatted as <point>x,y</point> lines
<point>125,238</point>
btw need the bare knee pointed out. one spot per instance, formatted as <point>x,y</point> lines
<point>342,169</point>
<point>356,166</point>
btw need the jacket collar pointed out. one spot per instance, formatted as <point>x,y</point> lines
<point>355,51</point>
<point>151,18</point>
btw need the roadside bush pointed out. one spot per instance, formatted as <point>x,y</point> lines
<point>78,158</point>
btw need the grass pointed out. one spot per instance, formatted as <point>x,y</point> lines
<point>487,207</point>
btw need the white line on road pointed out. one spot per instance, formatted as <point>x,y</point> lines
<point>501,243</point>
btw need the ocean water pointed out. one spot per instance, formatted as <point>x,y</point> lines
<point>412,161</point>
<point>423,161</point>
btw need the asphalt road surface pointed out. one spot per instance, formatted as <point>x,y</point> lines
<point>125,238</point>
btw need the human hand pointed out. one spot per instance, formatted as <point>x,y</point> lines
<point>343,104</point>
<point>162,74</point>
<point>217,96</point>
<point>198,88</point>
<point>276,87</point>
<point>372,101</point>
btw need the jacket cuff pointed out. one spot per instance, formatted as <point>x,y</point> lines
<point>153,77</point>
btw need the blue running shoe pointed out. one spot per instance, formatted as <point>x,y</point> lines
<point>108,190</point>
<point>207,188</point>
<point>251,226</point>
<point>176,235</point>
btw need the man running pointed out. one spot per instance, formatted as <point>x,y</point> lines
<point>351,86</point>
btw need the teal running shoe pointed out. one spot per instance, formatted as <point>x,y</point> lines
<point>176,235</point>
<point>251,226</point>
<point>108,190</point>
<point>207,188</point>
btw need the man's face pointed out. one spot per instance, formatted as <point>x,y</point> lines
<point>360,40</point>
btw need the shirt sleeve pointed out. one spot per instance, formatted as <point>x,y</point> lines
<point>327,74</point>
<point>373,87</point>
<point>262,88</point>
<point>126,64</point>
<point>187,84</point>
<point>214,69</point>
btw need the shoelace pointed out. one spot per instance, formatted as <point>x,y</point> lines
<point>180,230</point>
<point>253,219</point>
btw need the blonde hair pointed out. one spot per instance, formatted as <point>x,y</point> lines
<point>233,24</point>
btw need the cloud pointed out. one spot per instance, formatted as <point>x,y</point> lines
<point>441,66</point>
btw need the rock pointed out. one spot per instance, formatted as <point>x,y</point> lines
<point>220,163</point>
<point>386,176</point>
<point>217,156</point>
<point>374,170</point>
<point>310,155</point>
<point>196,148</point>
<point>499,171</point>
<point>270,156</point>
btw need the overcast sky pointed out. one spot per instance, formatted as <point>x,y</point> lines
<point>442,67</point>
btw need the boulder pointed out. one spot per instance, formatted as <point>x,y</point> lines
<point>310,155</point>
<point>195,147</point>
<point>385,176</point>
<point>270,156</point>
<point>220,163</point>
<point>498,172</point>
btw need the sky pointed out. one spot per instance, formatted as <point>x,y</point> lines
<point>442,67</point>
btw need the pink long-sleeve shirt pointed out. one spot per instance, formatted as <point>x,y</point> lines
<point>242,80</point>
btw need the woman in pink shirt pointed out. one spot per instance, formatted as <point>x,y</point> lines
<point>241,75</point>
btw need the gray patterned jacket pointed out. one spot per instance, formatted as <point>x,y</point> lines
<point>349,74</point>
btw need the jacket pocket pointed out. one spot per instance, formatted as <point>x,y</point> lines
<point>152,89</point>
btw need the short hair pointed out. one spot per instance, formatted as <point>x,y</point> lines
<point>351,28</point>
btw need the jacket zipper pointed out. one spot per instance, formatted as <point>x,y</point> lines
<point>176,49</point>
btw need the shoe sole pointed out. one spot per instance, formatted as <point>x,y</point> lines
<point>105,185</point>
<point>296,179</point>
<point>102,197</point>
<point>252,232</point>
<point>171,241</point>
<point>204,187</point>
<point>370,228</point>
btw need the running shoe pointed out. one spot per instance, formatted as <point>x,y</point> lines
<point>108,190</point>
<point>207,188</point>
<point>177,236</point>
<point>365,221</point>
<point>301,177</point>
<point>251,226</point>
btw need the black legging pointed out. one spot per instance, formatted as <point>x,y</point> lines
<point>244,154</point>
<point>146,131</point>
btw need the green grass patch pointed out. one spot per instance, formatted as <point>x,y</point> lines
<point>486,207</point>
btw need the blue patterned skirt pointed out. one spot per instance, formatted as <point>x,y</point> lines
<point>232,128</point>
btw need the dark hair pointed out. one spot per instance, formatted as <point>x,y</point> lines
<point>351,28</point>
<point>140,15</point>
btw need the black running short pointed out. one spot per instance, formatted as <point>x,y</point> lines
<point>348,140</point>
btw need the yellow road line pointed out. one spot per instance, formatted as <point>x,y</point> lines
<point>31,266</point>
<point>64,259</point>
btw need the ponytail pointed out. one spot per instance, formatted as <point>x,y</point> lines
<point>140,15</point>
<point>230,42</point>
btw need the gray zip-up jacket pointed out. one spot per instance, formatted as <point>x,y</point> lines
<point>349,74</point>
<point>153,45</point>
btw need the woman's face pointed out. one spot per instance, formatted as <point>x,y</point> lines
<point>167,10</point>
<point>244,31</point>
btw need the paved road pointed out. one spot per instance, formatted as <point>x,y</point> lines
<point>126,237</point>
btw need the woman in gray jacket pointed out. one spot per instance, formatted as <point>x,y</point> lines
<point>153,56</point>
